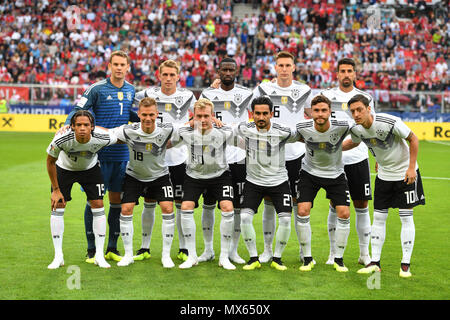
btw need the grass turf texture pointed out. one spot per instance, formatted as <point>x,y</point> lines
<point>27,247</point>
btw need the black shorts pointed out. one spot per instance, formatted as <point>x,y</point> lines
<point>337,189</point>
<point>280,195</point>
<point>90,180</point>
<point>159,189</point>
<point>238,174</point>
<point>219,188</point>
<point>177,174</point>
<point>293,168</point>
<point>358,178</point>
<point>398,194</point>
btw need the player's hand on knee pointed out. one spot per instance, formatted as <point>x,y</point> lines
<point>56,198</point>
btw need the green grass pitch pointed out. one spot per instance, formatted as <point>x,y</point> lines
<point>26,247</point>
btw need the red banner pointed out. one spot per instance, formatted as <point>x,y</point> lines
<point>18,94</point>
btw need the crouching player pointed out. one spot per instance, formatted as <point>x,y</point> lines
<point>72,157</point>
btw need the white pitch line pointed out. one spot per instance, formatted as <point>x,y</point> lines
<point>445,143</point>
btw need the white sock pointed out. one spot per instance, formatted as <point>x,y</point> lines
<point>236,230</point>
<point>303,227</point>
<point>283,233</point>
<point>268,225</point>
<point>362,223</point>
<point>181,241</point>
<point>148,221</point>
<point>407,234</point>
<point>57,230</point>
<point>189,229</point>
<point>226,233</point>
<point>332,221</point>
<point>99,229</point>
<point>208,218</point>
<point>378,233</point>
<point>126,232</point>
<point>342,232</point>
<point>248,232</point>
<point>168,230</point>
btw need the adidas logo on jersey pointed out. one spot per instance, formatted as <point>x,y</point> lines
<point>109,98</point>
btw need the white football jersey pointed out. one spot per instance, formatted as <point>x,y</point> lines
<point>265,152</point>
<point>75,156</point>
<point>231,107</point>
<point>289,108</point>
<point>340,110</point>
<point>386,140</point>
<point>173,109</point>
<point>323,156</point>
<point>147,150</point>
<point>206,152</point>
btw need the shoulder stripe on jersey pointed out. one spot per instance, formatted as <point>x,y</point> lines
<point>304,125</point>
<point>386,120</point>
<point>88,90</point>
<point>65,138</point>
<point>280,127</point>
<point>364,93</point>
<point>100,136</point>
<point>339,123</point>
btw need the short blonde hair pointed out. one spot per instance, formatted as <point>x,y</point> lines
<point>169,64</point>
<point>120,53</point>
<point>203,103</point>
<point>147,102</point>
<point>284,54</point>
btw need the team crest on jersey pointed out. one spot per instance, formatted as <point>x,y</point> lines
<point>344,106</point>
<point>381,134</point>
<point>284,100</point>
<point>295,94</point>
<point>148,147</point>
<point>227,105</point>
<point>168,107</point>
<point>238,98</point>
<point>206,149</point>
<point>179,101</point>
<point>160,138</point>
<point>120,95</point>
<point>334,137</point>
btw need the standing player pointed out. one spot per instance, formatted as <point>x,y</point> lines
<point>174,105</point>
<point>322,167</point>
<point>72,157</point>
<point>398,183</point>
<point>231,104</point>
<point>206,169</point>
<point>111,101</point>
<point>291,101</point>
<point>356,163</point>
<point>148,175</point>
<point>266,177</point>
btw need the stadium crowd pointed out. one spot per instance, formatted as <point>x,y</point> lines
<point>51,42</point>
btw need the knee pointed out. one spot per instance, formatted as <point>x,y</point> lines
<point>303,211</point>
<point>127,210</point>
<point>96,204</point>
<point>226,206</point>
<point>343,212</point>
<point>166,207</point>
